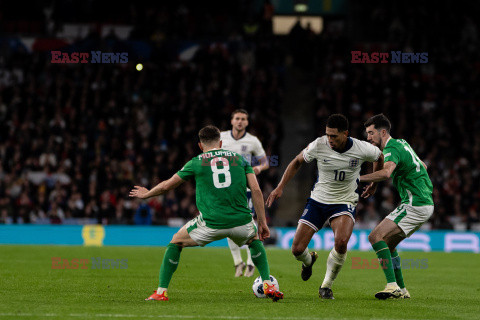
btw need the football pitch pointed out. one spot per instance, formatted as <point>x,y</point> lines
<point>446,287</point>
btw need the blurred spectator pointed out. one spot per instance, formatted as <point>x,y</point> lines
<point>434,106</point>
<point>75,138</point>
<point>78,136</point>
<point>143,215</point>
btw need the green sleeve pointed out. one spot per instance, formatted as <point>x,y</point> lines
<point>249,169</point>
<point>391,154</point>
<point>187,171</point>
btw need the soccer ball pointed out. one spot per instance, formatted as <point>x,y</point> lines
<point>258,286</point>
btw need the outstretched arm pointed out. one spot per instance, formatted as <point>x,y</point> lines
<point>161,188</point>
<point>380,175</point>
<point>289,173</point>
<point>257,198</point>
<point>372,187</point>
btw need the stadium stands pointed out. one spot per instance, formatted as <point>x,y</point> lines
<point>74,138</point>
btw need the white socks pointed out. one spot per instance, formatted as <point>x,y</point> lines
<point>334,265</point>
<point>249,257</point>
<point>237,256</point>
<point>160,290</point>
<point>305,257</point>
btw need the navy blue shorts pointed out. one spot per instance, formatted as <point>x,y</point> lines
<point>316,214</point>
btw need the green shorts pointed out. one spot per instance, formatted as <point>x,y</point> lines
<point>203,235</point>
<point>410,218</point>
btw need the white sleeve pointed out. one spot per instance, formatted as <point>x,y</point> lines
<point>310,152</point>
<point>371,152</point>
<point>258,150</point>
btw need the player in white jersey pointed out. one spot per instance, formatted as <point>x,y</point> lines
<point>334,197</point>
<point>242,142</point>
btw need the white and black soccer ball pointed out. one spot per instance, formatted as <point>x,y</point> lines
<point>258,286</point>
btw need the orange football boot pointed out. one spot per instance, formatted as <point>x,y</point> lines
<point>158,297</point>
<point>271,292</point>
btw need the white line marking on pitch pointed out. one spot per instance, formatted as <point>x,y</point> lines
<point>114,315</point>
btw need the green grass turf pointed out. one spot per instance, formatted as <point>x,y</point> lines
<point>204,287</point>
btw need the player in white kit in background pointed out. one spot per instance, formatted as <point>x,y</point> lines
<point>242,142</point>
<point>334,197</point>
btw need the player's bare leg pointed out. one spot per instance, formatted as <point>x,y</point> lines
<point>342,227</point>
<point>180,240</point>
<point>385,232</point>
<point>183,239</point>
<point>302,238</point>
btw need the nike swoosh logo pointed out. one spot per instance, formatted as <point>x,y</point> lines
<point>173,262</point>
<point>257,255</point>
<point>325,160</point>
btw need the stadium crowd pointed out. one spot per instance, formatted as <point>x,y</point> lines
<point>74,138</point>
<point>434,106</point>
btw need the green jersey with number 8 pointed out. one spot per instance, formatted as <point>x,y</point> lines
<point>221,181</point>
<point>410,177</point>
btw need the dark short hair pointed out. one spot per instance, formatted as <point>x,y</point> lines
<point>239,111</point>
<point>337,121</point>
<point>209,134</point>
<point>379,121</point>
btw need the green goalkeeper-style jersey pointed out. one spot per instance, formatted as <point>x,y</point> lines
<point>410,177</point>
<point>221,181</point>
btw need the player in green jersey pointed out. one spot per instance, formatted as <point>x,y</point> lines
<point>410,178</point>
<point>221,178</point>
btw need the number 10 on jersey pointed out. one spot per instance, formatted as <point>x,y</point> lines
<point>339,175</point>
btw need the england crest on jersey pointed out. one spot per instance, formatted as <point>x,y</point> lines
<point>353,163</point>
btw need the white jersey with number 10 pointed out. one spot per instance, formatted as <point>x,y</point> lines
<point>339,172</point>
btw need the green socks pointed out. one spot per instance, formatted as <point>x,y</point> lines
<point>259,257</point>
<point>397,268</point>
<point>385,258</point>
<point>172,257</point>
<point>169,264</point>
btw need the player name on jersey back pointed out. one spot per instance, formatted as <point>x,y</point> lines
<point>221,181</point>
<point>219,153</point>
